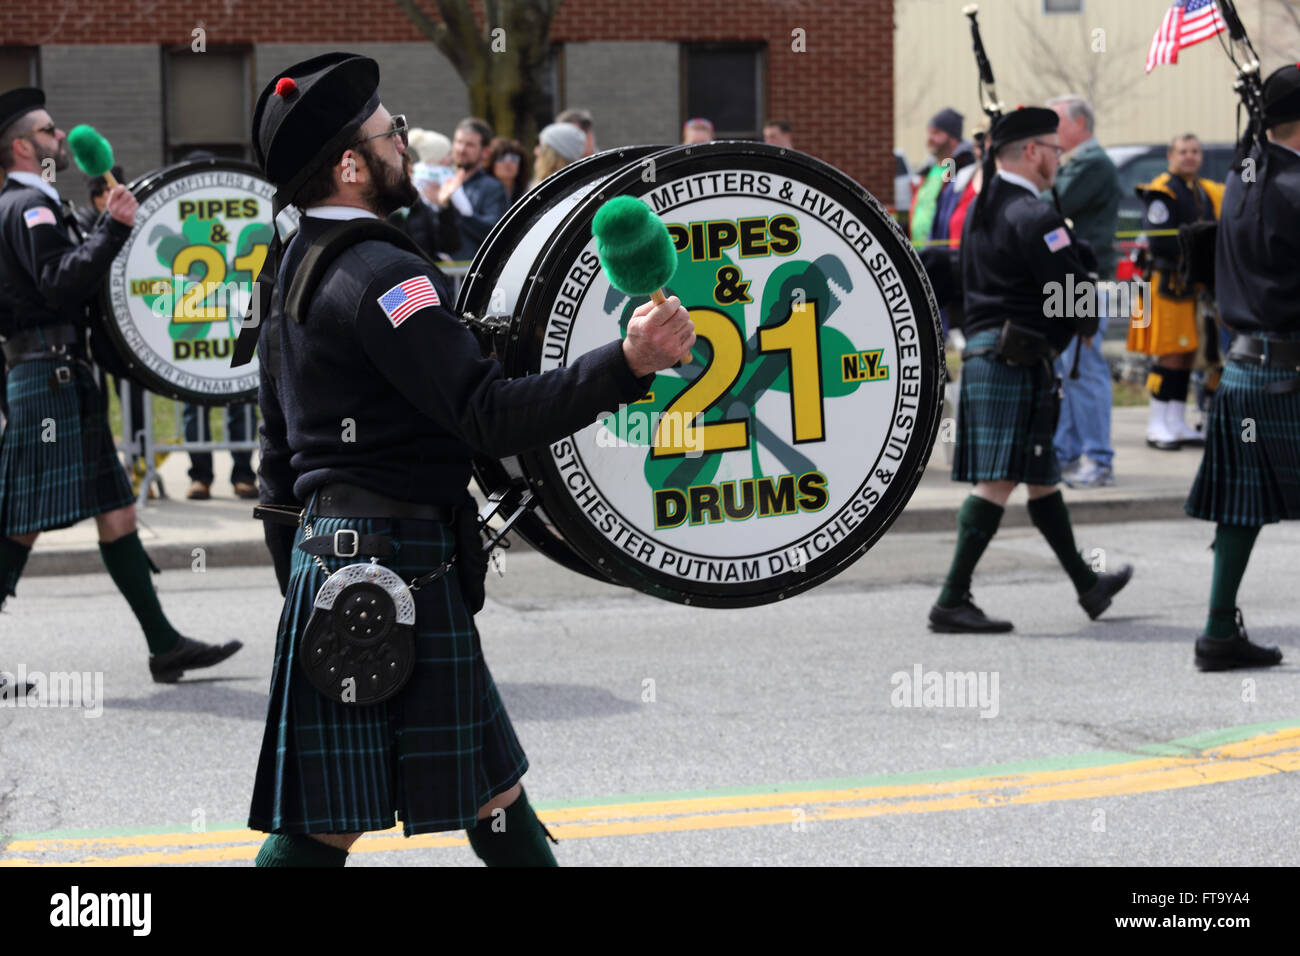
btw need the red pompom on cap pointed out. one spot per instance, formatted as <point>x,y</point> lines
<point>285,85</point>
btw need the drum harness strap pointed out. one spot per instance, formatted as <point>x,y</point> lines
<point>315,262</point>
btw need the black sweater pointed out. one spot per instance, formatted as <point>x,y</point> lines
<point>400,408</point>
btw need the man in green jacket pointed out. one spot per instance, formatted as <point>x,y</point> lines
<point>942,137</point>
<point>1087,185</point>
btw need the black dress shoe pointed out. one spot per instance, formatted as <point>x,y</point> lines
<point>188,655</point>
<point>9,686</point>
<point>965,618</point>
<point>1097,599</point>
<point>1226,653</point>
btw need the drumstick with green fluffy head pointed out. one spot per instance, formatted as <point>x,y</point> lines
<point>93,154</point>
<point>635,249</point>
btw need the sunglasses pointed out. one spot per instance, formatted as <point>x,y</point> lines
<point>508,158</point>
<point>398,129</point>
<point>51,128</point>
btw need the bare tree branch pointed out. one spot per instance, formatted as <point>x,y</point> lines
<point>430,27</point>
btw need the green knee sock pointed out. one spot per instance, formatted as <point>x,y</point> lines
<point>298,849</point>
<point>13,558</point>
<point>1232,546</point>
<point>517,839</point>
<point>1052,519</point>
<point>129,568</point>
<point>977,523</point>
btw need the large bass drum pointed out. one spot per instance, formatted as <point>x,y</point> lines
<point>794,438</point>
<point>178,289</point>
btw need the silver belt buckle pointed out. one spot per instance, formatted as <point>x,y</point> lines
<point>63,375</point>
<point>356,543</point>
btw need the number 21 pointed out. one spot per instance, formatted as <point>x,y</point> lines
<point>796,335</point>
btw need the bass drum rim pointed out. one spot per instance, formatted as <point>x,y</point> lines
<point>539,467</point>
<point>142,188</point>
<point>490,474</point>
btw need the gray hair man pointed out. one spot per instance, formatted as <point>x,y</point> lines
<point>1088,191</point>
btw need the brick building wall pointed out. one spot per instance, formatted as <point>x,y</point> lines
<point>837,91</point>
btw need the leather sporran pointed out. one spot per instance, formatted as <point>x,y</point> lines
<point>359,646</point>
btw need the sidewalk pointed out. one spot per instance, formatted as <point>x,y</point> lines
<point>1151,485</point>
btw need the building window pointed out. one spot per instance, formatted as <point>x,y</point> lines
<point>1062,6</point>
<point>19,66</point>
<point>552,79</point>
<point>724,84</point>
<point>207,102</point>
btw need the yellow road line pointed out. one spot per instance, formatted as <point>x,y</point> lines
<point>1276,752</point>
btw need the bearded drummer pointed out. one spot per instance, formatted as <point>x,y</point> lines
<point>57,461</point>
<point>374,398</point>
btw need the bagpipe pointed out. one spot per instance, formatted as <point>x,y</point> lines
<point>942,262</point>
<point>1196,240</point>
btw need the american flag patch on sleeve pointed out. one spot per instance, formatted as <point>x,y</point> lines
<point>41,215</point>
<point>408,297</point>
<point>1057,239</point>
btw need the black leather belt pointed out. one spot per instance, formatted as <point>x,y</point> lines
<point>339,500</point>
<point>50,341</point>
<point>1270,353</point>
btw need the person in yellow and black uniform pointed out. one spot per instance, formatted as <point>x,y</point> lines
<point>1166,328</point>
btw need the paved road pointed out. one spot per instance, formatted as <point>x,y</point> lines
<point>776,735</point>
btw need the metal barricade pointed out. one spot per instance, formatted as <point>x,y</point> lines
<point>138,439</point>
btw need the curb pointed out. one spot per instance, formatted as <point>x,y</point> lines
<point>253,553</point>
<point>1081,512</point>
<point>168,557</point>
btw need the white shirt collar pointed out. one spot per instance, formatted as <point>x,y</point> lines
<point>31,179</point>
<point>1018,180</point>
<point>339,212</point>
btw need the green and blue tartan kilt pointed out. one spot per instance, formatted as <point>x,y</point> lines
<point>1250,474</point>
<point>1006,419</point>
<point>57,460</point>
<point>431,755</point>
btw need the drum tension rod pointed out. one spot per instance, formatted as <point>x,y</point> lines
<point>496,502</point>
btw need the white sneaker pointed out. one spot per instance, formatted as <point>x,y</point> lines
<point>1159,434</point>
<point>1176,413</point>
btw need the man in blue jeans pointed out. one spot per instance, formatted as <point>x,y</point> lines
<point>239,419</point>
<point>1088,191</point>
<point>1084,426</point>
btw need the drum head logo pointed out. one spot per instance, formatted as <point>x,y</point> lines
<point>812,391</point>
<point>179,288</point>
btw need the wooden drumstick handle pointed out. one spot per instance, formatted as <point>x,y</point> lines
<point>657,297</point>
<point>110,180</point>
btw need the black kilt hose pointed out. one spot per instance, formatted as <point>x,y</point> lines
<point>1250,474</point>
<point>57,460</point>
<point>1006,420</point>
<point>430,756</point>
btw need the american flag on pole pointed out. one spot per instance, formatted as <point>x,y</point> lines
<point>1186,23</point>
<point>407,297</point>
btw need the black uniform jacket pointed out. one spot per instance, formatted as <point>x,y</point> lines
<point>45,276</point>
<point>1257,255</point>
<point>1014,264</point>
<point>399,403</point>
<point>1171,201</point>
